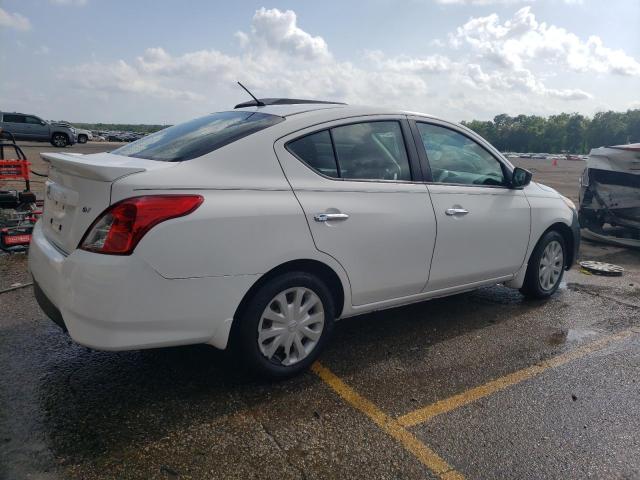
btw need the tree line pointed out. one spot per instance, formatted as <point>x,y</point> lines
<point>563,133</point>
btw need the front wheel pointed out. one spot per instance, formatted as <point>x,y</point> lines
<point>285,325</point>
<point>59,140</point>
<point>546,266</point>
<point>82,138</point>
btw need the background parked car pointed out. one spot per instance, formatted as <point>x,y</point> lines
<point>83,135</point>
<point>30,127</point>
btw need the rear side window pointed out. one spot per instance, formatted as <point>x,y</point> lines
<point>8,117</point>
<point>198,137</point>
<point>371,151</point>
<point>360,151</point>
<point>316,150</point>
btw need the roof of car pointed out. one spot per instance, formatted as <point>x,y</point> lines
<point>339,110</point>
<point>285,110</point>
<point>261,102</point>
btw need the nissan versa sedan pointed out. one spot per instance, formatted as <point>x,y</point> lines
<point>257,228</point>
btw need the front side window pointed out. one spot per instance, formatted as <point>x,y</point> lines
<point>455,158</point>
<point>360,151</point>
<point>198,137</point>
<point>33,120</point>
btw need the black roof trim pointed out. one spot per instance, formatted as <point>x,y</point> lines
<point>283,101</point>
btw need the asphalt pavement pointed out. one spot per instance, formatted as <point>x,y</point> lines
<point>480,385</point>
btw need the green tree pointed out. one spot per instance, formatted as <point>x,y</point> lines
<point>565,132</point>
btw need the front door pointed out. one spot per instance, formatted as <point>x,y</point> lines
<point>35,129</point>
<point>356,184</point>
<point>483,225</point>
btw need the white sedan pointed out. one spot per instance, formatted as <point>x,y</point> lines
<point>257,228</point>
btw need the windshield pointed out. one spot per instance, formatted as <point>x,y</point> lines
<point>198,137</point>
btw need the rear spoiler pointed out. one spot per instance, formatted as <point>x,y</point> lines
<point>103,167</point>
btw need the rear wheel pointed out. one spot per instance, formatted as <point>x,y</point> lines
<point>59,140</point>
<point>546,266</point>
<point>285,325</point>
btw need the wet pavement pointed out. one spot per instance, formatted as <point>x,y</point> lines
<point>486,383</point>
<point>69,412</point>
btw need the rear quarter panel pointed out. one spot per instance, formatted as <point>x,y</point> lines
<point>249,223</point>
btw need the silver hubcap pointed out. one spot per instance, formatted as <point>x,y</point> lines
<point>551,265</point>
<point>59,141</point>
<point>291,325</point>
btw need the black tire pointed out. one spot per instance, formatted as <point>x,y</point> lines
<point>82,139</point>
<point>59,140</point>
<point>532,287</point>
<point>245,342</point>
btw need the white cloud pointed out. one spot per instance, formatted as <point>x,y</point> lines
<point>480,2</point>
<point>499,66</point>
<point>497,2</point>
<point>278,58</point>
<point>14,20</point>
<point>404,63</point>
<point>42,50</point>
<point>518,80</point>
<point>278,30</point>
<point>522,39</point>
<point>119,77</point>
<point>76,3</point>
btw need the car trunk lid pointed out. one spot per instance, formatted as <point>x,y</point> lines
<point>79,189</point>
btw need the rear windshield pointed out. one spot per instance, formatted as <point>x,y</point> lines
<point>197,137</point>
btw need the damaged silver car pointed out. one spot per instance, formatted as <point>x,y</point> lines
<point>610,195</point>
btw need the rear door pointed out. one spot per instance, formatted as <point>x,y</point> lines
<point>359,186</point>
<point>15,123</point>
<point>483,225</point>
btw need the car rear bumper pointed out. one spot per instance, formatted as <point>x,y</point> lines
<point>120,303</point>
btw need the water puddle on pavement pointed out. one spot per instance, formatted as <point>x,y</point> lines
<point>569,335</point>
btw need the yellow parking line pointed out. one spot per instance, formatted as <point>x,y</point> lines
<point>427,413</point>
<point>423,453</point>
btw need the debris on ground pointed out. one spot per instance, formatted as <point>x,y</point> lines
<point>601,268</point>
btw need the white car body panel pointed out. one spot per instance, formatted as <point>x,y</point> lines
<point>399,206</point>
<point>140,308</point>
<point>79,188</point>
<point>185,279</point>
<point>488,242</point>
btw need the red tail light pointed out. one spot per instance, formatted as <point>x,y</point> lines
<point>120,227</point>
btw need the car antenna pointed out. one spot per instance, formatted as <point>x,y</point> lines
<point>258,102</point>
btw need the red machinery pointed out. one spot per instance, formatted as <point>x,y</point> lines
<point>19,210</point>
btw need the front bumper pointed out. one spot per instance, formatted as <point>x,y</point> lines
<point>112,302</point>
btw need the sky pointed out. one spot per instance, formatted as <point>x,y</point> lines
<point>163,62</point>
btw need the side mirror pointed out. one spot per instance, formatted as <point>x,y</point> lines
<point>42,122</point>
<point>520,177</point>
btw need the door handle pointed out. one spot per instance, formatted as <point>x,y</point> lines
<point>456,211</point>
<point>330,217</point>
